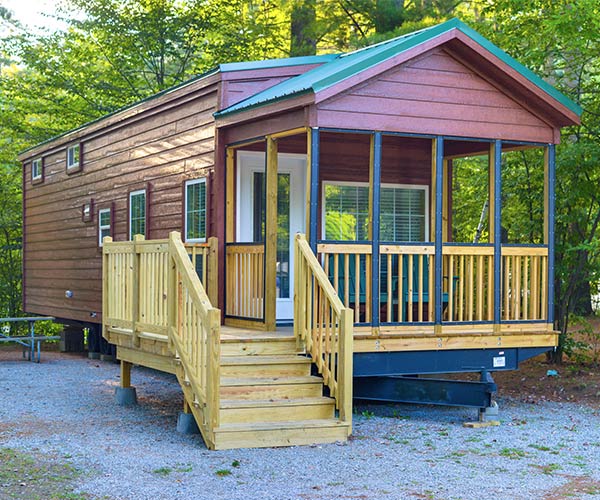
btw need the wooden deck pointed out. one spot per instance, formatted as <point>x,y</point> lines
<point>276,387</point>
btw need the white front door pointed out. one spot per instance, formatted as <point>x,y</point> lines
<point>291,199</point>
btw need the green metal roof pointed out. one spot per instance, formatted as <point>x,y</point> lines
<point>346,65</point>
<point>276,63</point>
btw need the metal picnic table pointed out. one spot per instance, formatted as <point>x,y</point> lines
<point>31,341</point>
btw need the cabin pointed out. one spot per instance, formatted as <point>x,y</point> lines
<point>281,234</point>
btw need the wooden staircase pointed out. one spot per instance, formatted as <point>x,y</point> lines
<point>244,388</point>
<point>268,396</point>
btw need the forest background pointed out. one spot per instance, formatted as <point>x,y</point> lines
<point>101,55</point>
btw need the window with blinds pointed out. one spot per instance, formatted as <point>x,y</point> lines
<point>403,212</point>
<point>195,210</point>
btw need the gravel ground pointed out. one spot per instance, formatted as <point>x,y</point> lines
<point>64,407</point>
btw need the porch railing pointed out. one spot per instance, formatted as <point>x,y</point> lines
<point>525,283</point>
<point>407,287</point>
<point>245,284</point>
<point>324,325</point>
<point>468,282</point>
<point>152,290</point>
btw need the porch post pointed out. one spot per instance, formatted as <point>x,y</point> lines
<point>438,160</point>
<point>271,235</point>
<point>496,152</point>
<point>550,208</point>
<point>312,188</point>
<point>374,211</point>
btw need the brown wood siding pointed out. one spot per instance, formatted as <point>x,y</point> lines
<point>434,94</point>
<point>158,151</point>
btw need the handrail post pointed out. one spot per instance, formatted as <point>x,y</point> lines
<point>345,362</point>
<point>135,286</point>
<point>105,290</point>
<point>212,287</point>
<point>172,292</point>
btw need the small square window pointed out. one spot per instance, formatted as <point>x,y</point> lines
<point>104,224</point>
<point>137,213</point>
<point>74,158</point>
<point>195,210</point>
<point>37,170</point>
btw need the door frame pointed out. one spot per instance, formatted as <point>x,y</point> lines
<point>249,162</point>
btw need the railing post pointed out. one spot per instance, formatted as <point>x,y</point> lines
<point>497,151</point>
<point>172,291</point>
<point>135,286</point>
<point>438,158</point>
<point>345,363</point>
<point>212,285</point>
<point>105,291</point>
<point>214,364</point>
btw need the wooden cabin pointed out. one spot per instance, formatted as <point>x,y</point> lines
<point>271,231</point>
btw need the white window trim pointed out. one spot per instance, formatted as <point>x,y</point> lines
<point>100,226</point>
<point>202,180</point>
<point>72,166</point>
<point>37,161</point>
<point>131,195</point>
<point>423,187</point>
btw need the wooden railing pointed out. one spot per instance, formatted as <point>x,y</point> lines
<point>407,281</point>
<point>194,330</point>
<point>245,283</point>
<point>324,325</point>
<point>348,267</point>
<point>151,289</point>
<point>205,262</point>
<point>468,283</point>
<point>407,273</point>
<point>525,283</point>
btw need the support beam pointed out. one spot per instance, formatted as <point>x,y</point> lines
<point>230,195</point>
<point>491,192</point>
<point>125,374</point>
<point>374,226</point>
<point>496,210</point>
<point>446,201</point>
<point>438,170</point>
<point>271,235</point>
<point>312,180</point>
<point>549,220</point>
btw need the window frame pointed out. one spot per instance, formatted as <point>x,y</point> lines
<point>101,226</point>
<point>131,194</point>
<point>422,187</point>
<point>37,179</point>
<point>200,180</point>
<point>74,167</point>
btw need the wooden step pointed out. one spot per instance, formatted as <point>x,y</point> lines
<point>265,366</point>
<point>259,347</point>
<point>271,388</point>
<point>263,435</point>
<point>278,410</point>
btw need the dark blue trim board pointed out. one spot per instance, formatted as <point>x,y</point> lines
<point>497,231</point>
<point>439,202</point>
<point>376,138</point>
<point>314,187</point>
<point>551,221</point>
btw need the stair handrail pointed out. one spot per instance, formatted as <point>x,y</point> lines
<point>324,326</point>
<point>194,325</point>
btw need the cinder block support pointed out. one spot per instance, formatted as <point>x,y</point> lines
<point>125,395</point>
<point>186,423</point>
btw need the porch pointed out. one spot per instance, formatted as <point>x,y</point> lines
<point>410,284</point>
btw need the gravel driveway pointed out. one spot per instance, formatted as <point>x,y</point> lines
<point>64,408</point>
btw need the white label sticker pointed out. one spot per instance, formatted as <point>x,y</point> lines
<point>499,362</point>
